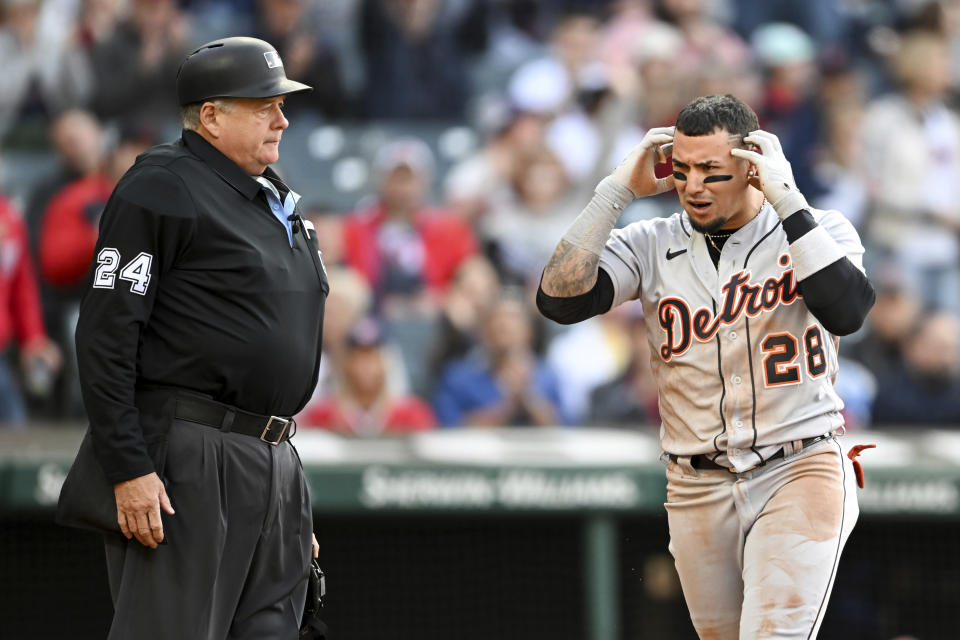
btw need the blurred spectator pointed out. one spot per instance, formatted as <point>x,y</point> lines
<point>837,166</point>
<point>950,21</point>
<point>416,54</point>
<point>894,314</point>
<point>515,36</point>
<point>787,56</point>
<point>135,67</point>
<point>517,235</point>
<point>911,148</point>
<point>471,295</point>
<point>630,400</point>
<point>660,85</point>
<point>20,320</point>
<point>565,86</point>
<point>97,21</point>
<point>214,19</point>
<point>79,144</point>
<point>573,45</point>
<point>926,390</point>
<point>589,354</point>
<point>857,387</point>
<point>407,251</point>
<point>623,31</point>
<point>705,37</point>
<point>680,52</point>
<point>42,73</point>
<point>69,233</point>
<point>328,224</point>
<point>77,141</point>
<point>349,300</point>
<point>824,19</point>
<point>657,52</point>
<point>69,227</point>
<point>481,182</point>
<point>503,382</point>
<point>361,403</point>
<point>71,220</point>
<point>288,26</point>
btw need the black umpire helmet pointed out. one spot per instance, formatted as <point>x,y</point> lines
<point>237,67</point>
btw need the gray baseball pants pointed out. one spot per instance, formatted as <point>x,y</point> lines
<point>757,552</point>
<point>236,553</point>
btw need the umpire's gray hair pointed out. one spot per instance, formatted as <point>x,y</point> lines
<point>190,113</point>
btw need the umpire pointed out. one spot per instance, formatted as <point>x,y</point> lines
<point>198,337</point>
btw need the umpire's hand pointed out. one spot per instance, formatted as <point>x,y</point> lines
<point>138,508</point>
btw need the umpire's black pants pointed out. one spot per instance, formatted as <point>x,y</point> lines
<point>236,553</point>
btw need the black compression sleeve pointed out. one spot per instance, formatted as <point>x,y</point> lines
<point>798,224</point>
<point>839,295</point>
<point>576,308</point>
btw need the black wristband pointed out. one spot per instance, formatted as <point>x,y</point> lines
<point>577,308</point>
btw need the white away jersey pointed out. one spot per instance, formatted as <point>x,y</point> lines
<point>741,364</point>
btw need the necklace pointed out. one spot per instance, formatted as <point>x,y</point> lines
<point>711,236</point>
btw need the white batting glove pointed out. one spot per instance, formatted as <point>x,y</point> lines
<point>774,172</point>
<point>636,171</point>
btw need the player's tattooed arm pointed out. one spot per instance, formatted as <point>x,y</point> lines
<point>570,271</point>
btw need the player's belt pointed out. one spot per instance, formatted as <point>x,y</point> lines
<point>271,429</point>
<point>701,461</point>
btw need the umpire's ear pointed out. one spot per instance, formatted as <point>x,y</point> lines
<point>209,120</point>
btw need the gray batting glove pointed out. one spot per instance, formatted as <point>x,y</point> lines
<point>774,172</point>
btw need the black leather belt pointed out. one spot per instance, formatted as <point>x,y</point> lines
<point>271,429</point>
<point>701,461</point>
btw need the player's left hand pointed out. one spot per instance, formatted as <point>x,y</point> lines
<point>774,172</point>
<point>316,547</point>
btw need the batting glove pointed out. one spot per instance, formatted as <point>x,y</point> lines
<point>774,172</point>
<point>636,171</point>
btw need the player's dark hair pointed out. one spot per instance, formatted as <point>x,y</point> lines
<point>706,114</point>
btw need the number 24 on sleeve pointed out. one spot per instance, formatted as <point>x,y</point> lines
<point>137,271</point>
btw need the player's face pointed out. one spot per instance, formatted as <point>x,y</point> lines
<point>251,131</point>
<point>712,185</point>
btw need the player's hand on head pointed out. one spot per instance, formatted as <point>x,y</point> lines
<point>773,171</point>
<point>636,170</point>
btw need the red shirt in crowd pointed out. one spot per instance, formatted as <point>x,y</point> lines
<point>69,232</point>
<point>20,312</point>
<point>445,239</point>
<point>396,415</point>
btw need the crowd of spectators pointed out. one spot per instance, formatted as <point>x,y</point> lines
<point>433,268</point>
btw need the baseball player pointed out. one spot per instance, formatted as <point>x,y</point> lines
<point>744,291</point>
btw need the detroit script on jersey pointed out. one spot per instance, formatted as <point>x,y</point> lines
<point>739,297</point>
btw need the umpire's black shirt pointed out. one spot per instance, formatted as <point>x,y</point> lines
<point>195,285</point>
